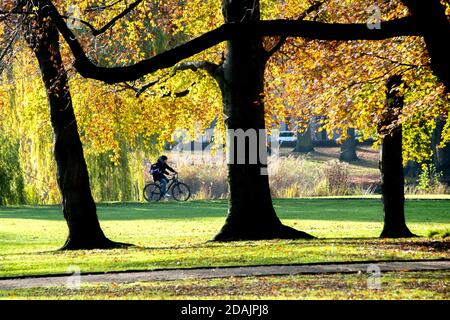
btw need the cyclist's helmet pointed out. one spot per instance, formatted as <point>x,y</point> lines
<point>162,159</point>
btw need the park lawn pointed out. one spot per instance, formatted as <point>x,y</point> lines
<point>393,285</point>
<point>175,235</point>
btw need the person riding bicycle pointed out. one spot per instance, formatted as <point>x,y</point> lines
<point>158,170</point>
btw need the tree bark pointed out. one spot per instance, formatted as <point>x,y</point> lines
<point>348,147</point>
<point>72,176</point>
<point>251,215</point>
<point>430,17</point>
<point>391,166</point>
<point>304,141</point>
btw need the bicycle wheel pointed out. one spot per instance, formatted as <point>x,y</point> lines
<point>152,192</point>
<point>181,192</point>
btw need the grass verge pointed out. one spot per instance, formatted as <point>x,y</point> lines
<point>175,235</point>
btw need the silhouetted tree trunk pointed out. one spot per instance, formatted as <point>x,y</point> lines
<point>304,141</point>
<point>348,147</point>
<point>430,15</point>
<point>251,214</point>
<point>78,205</point>
<point>391,165</point>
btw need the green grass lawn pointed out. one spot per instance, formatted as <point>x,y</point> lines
<point>175,235</point>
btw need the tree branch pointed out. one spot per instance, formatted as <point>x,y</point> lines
<point>309,29</point>
<point>9,45</point>
<point>150,84</point>
<point>375,79</point>
<point>96,32</point>
<point>139,91</point>
<point>210,67</point>
<point>103,29</point>
<point>195,65</point>
<point>314,7</point>
<point>101,7</point>
<point>332,31</point>
<point>6,13</point>
<point>373,55</point>
<point>145,87</point>
<point>180,94</point>
<point>214,70</point>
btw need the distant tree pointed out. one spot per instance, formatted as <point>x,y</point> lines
<point>348,147</point>
<point>304,141</point>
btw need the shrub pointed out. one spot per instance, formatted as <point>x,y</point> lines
<point>11,179</point>
<point>289,177</point>
<point>429,178</point>
<point>337,176</point>
<point>428,182</point>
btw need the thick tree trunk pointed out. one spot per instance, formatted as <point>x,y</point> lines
<point>348,147</point>
<point>251,215</point>
<point>78,205</point>
<point>304,141</point>
<point>430,15</point>
<point>391,167</point>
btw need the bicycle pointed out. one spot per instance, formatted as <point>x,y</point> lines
<point>179,190</point>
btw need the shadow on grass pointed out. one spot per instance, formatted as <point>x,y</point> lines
<point>416,244</point>
<point>365,163</point>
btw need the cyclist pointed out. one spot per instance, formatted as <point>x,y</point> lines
<point>158,170</point>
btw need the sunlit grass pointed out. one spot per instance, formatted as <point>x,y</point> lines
<point>172,235</point>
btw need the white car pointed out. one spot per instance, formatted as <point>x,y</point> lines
<point>287,137</point>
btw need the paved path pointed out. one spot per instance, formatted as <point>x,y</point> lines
<point>208,273</point>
